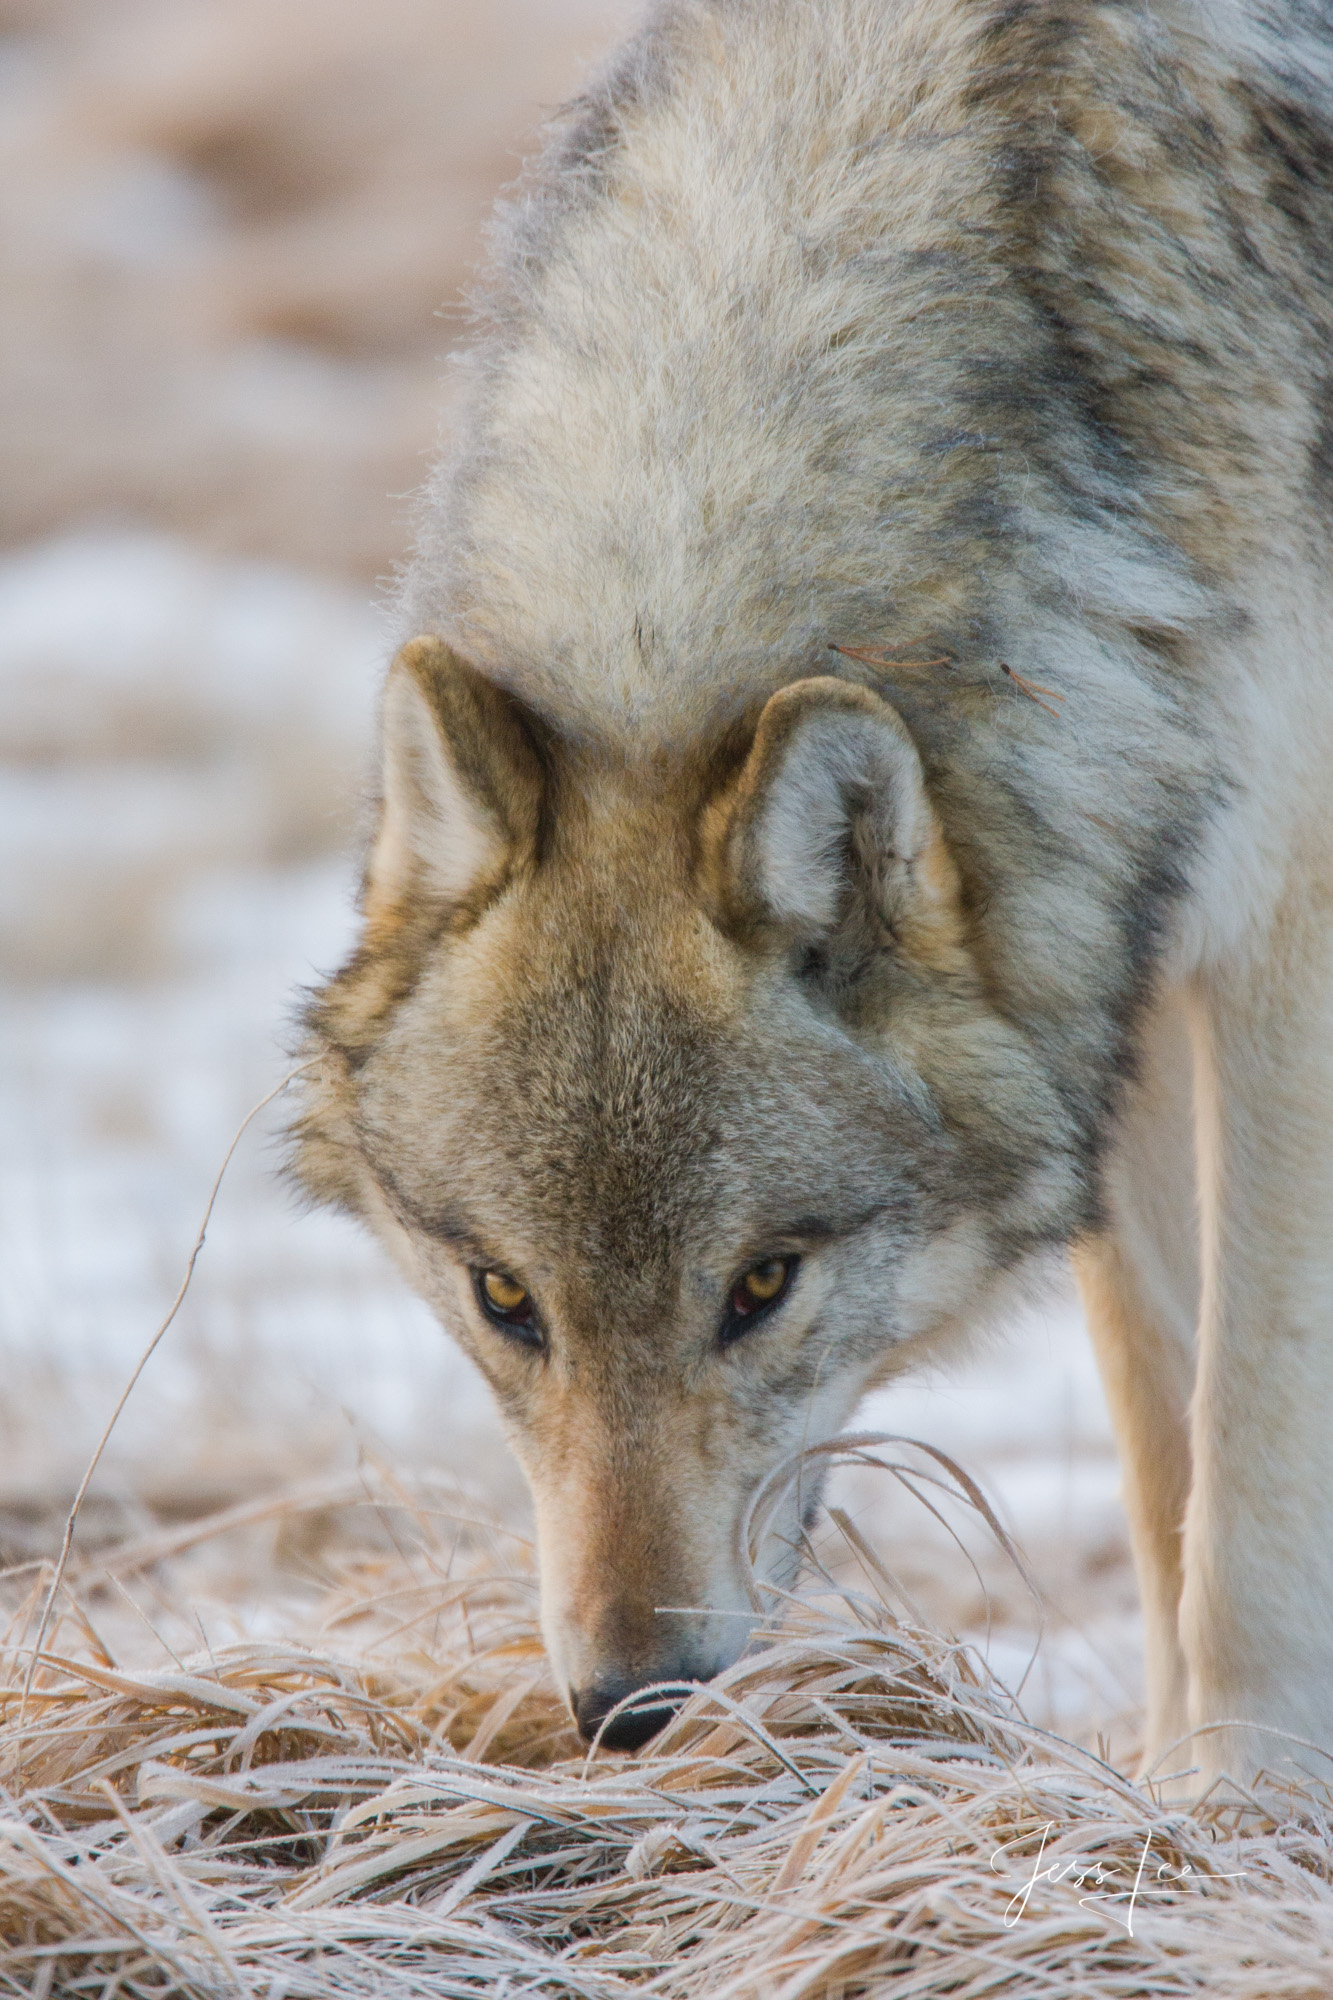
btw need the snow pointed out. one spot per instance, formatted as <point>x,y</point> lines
<point>179,733</point>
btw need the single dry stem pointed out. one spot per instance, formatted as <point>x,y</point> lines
<point>67,1539</point>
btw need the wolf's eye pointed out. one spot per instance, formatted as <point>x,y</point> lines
<point>760,1286</point>
<point>508,1304</point>
<point>757,1291</point>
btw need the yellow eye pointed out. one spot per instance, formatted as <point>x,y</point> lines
<point>502,1292</point>
<point>508,1304</point>
<point>762,1284</point>
<point>755,1291</point>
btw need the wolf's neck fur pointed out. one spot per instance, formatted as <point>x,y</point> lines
<point>924,328</point>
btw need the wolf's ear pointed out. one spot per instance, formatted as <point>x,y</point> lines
<point>462,785</point>
<point>828,832</point>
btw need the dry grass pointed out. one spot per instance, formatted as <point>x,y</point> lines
<point>397,1806</point>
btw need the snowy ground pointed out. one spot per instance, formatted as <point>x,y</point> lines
<point>185,850</point>
<point>182,743</point>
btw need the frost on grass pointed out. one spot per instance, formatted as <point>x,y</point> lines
<point>396,1805</point>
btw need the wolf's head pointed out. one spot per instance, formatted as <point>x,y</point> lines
<point>675,1088</point>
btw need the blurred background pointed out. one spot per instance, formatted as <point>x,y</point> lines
<point>234,239</point>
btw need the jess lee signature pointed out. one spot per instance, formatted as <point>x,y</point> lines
<point>1102,1878</point>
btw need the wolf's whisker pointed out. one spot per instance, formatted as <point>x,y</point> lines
<point>696,1611</point>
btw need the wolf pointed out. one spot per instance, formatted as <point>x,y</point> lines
<point>855,815</point>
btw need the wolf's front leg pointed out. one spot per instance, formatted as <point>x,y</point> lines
<point>1257,1605</point>
<point>1140,1286</point>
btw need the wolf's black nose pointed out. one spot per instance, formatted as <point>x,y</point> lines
<point>633,1728</point>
